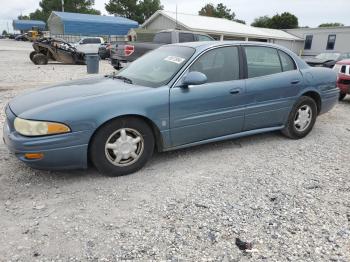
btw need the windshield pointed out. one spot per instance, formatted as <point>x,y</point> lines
<point>328,56</point>
<point>157,68</point>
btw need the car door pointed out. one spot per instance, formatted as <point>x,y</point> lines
<point>212,109</point>
<point>273,81</point>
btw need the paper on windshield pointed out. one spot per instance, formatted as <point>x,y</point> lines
<point>174,59</point>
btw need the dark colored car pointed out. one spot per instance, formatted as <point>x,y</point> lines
<point>176,96</point>
<point>104,50</point>
<point>22,37</point>
<point>342,68</point>
<point>327,59</point>
<point>124,53</point>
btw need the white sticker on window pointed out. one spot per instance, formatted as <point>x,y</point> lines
<point>174,59</point>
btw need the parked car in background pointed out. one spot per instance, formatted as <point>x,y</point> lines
<point>342,68</point>
<point>124,53</point>
<point>104,50</point>
<point>89,44</point>
<point>327,59</point>
<point>22,37</point>
<point>174,97</point>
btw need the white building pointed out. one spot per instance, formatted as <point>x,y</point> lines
<point>324,39</point>
<point>222,29</point>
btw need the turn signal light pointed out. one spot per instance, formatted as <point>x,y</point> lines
<point>33,156</point>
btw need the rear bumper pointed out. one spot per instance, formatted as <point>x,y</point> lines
<point>329,99</point>
<point>66,151</point>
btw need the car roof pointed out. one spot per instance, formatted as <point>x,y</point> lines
<point>208,44</point>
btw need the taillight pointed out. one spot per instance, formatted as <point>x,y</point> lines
<point>128,50</point>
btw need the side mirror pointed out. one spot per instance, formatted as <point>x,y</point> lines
<point>194,78</point>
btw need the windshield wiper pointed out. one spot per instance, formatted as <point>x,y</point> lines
<point>125,79</point>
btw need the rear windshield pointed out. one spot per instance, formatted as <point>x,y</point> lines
<point>158,67</point>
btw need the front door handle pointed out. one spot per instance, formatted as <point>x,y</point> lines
<point>234,91</point>
<point>294,82</point>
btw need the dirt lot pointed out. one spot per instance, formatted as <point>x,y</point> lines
<point>291,199</point>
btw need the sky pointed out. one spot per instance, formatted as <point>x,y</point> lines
<point>310,12</point>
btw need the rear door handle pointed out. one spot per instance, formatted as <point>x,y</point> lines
<point>234,91</point>
<point>294,82</point>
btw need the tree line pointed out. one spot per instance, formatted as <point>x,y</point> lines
<point>140,10</point>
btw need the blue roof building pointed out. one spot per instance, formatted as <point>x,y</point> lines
<point>25,25</point>
<point>64,23</point>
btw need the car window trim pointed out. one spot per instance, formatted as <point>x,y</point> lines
<point>276,48</point>
<point>174,85</point>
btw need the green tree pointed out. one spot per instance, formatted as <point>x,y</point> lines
<point>284,21</point>
<point>74,6</point>
<point>138,10</point>
<point>331,25</point>
<point>262,21</point>
<point>220,10</point>
<point>279,21</point>
<point>4,32</point>
<point>23,17</point>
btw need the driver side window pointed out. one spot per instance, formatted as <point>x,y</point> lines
<point>220,64</point>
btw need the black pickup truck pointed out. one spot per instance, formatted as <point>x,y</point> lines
<point>123,53</point>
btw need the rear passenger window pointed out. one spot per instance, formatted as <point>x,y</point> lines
<point>287,62</point>
<point>186,37</point>
<point>163,38</point>
<point>262,61</point>
<point>220,64</point>
<point>343,69</point>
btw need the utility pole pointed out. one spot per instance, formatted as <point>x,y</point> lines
<point>62,1</point>
<point>176,18</point>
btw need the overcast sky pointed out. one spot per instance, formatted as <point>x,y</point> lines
<point>310,12</point>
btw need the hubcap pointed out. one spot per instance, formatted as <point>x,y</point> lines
<point>124,147</point>
<point>303,118</point>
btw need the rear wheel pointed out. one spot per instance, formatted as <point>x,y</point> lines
<point>301,119</point>
<point>40,59</point>
<point>342,96</point>
<point>122,146</point>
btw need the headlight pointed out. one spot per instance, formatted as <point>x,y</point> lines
<point>39,128</point>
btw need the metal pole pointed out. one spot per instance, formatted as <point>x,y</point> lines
<point>176,18</point>
<point>62,5</point>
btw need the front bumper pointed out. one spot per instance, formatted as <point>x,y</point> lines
<point>343,85</point>
<point>66,151</point>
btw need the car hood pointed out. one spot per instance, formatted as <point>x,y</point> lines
<point>71,92</point>
<point>316,61</point>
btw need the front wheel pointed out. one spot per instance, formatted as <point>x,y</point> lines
<point>342,96</point>
<point>122,146</point>
<point>32,54</point>
<point>40,59</point>
<point>301,119</point>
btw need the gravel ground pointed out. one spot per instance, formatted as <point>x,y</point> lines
<point>290,199</point>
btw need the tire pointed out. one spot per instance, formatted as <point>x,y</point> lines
<point>342,96</point>
<point>295,130</point>
<point>32,54</point>
<point>40,59</point>
<point>111,134</point>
